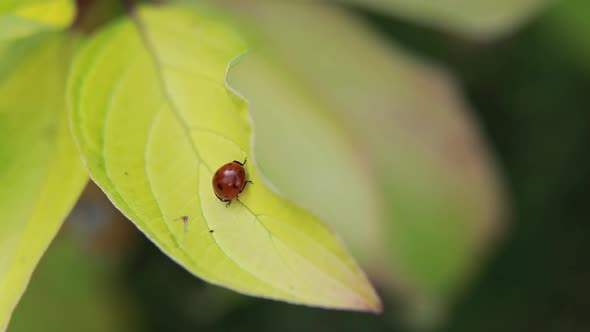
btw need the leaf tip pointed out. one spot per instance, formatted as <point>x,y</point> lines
<point>372,305</point>
<point>377,307</point>
<point>369,302</point>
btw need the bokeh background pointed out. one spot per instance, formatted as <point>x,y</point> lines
<point>452,159</point>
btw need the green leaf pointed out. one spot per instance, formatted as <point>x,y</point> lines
<point>40,170</point>
<point>441,198</point>
<point>473,19</point>
<point>22,18</point>
<point>154,119</point>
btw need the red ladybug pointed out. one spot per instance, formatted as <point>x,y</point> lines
<point>230,180</point>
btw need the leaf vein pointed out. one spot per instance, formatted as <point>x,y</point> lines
<point>151,50</point>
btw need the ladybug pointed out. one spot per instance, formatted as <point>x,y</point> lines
<point>230,180</point>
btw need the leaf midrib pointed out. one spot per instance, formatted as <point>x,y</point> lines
<point>187,130</point>
<point>158,64</point>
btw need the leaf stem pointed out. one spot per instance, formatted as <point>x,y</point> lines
<point>91,14</point>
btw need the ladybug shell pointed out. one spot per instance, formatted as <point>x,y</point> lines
<point>229,181</point>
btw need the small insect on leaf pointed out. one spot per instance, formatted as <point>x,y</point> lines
<point>229,181</point>
<point>184,220</point>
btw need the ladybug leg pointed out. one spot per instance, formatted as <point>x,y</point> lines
<point>228,203</point>
<point>241,164</point>
<point>245,183</point>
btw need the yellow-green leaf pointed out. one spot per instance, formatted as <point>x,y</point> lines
<point>154,119</point>
<point>40,170</point>
<point>23,18</point>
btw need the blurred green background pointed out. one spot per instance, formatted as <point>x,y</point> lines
<point>528,92</point>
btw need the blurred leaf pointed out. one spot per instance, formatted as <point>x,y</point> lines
<point>473,19</point>
<point>567,25</point>
<point>22,18</point>
<point>308,154</point>
<point>442,197</point>
<point>154,120</point>
<point>40,170</point>
<point>72,291</point>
